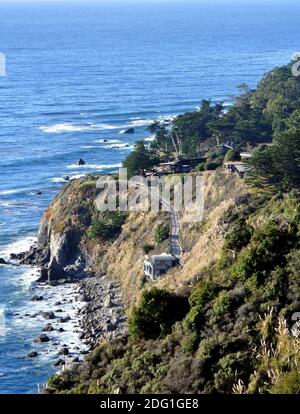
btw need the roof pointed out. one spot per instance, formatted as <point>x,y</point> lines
<point>234,163</point>
<point>246,154</point>
<point>160,257</point>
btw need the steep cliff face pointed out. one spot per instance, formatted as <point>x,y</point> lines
<point>61,238</point>
<point>66,250</point>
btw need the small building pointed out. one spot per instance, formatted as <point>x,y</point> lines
<point>157,265</point>
<point>179,166</point>
<point>238,167</point>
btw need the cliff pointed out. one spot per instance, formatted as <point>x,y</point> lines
<point>223,321</point>
<point>67,251</point>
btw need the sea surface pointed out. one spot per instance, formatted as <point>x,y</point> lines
<point>78,74</point>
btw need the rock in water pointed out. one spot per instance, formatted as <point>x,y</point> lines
<point>48,315</point>
<point>64,351</point>
<point>59,363</point>
<point>42,338</point>
<point>2,261</point>
<point>32,354</point>
<point>36,298</point>
<point>48,328</point>
<point>129,131</point>
<point>81,162</point>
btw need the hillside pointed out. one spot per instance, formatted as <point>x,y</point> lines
<point>239,275</point>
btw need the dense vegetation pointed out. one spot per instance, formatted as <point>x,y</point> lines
<point>276,168</point>
<point>107,226</point>
<point>255,116</point>
<point>235,333</point>
<point>140,160</point>
<point>162,232</point>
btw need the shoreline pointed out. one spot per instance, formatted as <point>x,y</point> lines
<point>75,314</point>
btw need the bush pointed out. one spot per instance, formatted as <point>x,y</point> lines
<point>221,304</point>
<point>232,155</point>
<point>288,384</point>
<point>157,312</point>
<point>147,248</point>
<point>212,165</point>
<point>203,294</point>
<point>238,235</point>
<point>108,226</point>
<point>162,233</point>
<point>267,250</point>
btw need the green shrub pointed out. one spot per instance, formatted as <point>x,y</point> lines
<point>232,155</point>
<point>108,226</point>
<point>204,293</point>
<point>212,165</point>
<point>266,251</point>
<point>221,304</point>
<point>162,232</point>
<point>238,235</point>
<point>288,384</point>
<point>147,248</point>
<point>157,311</point>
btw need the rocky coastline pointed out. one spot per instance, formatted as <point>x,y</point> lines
<point>59,261</point>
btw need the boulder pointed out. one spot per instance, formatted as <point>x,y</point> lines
<point>64,319</point>
<point>48,328</point>
<point>59,363</point>
<point>129,131</point>
<point>48,315</point>
<point>64,351</point>
<point>107,301</point>
<point>36,298</point>
<point>60,330</point>
<point>2,261</point>
<point>42,338</point>
<point>32,354</point>
<point>81,162</point>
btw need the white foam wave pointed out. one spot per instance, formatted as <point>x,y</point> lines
<point>69,127</point>
<point>77,176</point>
<point>119,146</point>
<point>63,179</point>
<point>13,191</point>
<point>95,166</point>
<point>57,180</point>
<point>140,122</point>
<point>18,246</point>
<point>150,139</point>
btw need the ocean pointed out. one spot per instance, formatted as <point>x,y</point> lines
<point>78,75</point>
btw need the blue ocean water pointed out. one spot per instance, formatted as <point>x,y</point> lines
<point>80,73</point>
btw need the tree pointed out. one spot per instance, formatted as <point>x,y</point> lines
<point>276,168</point>
<point>232,155</point>
<point>140,160</point>
<point>158,310</point>
<point>107,226</point>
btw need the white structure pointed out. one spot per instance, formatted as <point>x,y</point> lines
<point>157,265</point>
<point>238,167</point>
